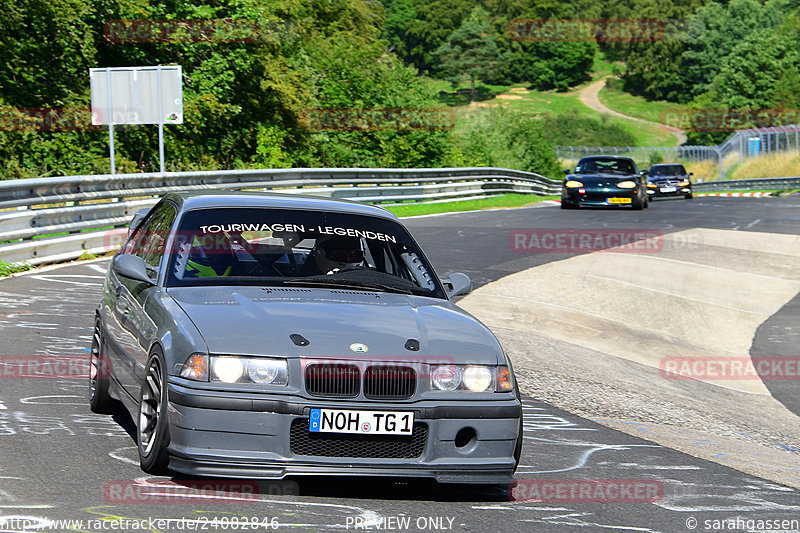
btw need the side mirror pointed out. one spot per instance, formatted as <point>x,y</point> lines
<point>457,284</point>
<point>137,219</point>
<point>567,171</point>
<point>644,172</point>
<point>691,173</point>
<point>131,266</point>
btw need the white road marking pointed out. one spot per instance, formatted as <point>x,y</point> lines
<point>55,278</point>
<point>115,454</point>
<point>35,400</point>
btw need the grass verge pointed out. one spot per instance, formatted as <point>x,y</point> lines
<point>6,269</point>
<point>637,106</point>
<point>505,200</point>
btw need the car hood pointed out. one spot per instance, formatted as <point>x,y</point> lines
<point>246,320</point>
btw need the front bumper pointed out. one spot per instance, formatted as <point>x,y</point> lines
<point>599,197</point>
<point>230,435</point>
<point>679,191</point>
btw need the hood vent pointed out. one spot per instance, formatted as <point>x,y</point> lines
<point>283,289</point>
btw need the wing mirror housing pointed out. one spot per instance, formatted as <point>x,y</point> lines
<point>457,284</point>
<point>131,266</point>
<point>137,219</point>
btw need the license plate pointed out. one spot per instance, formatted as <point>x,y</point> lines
<point>618,200</point>
<point>668,189</point>
<point>361,422</point>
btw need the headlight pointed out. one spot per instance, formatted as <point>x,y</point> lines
<point>267,371</point>
<point>227,369</point>
<point>684,183</point>
<point>477,378</point>
<point>626,184</point>
<point>652,185</point>
<point>572,184</point>
<point>260,370</point>
<point>446,377</point>
<point>471,378</point>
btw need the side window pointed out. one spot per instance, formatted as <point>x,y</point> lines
<point>148,242</point>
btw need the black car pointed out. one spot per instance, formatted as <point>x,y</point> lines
<point>669,179</point>
<point>604,180</point>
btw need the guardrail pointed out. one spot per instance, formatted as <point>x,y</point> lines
<point>755,184</point>
<point>82,208</point>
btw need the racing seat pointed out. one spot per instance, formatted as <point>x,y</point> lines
<point>210,256</point>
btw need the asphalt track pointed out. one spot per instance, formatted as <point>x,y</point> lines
<point>58,461</point>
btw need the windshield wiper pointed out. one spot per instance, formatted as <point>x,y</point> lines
<point>346,284</point>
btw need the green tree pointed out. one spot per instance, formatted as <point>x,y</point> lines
<point>46,49</point>
<point>433,22</point>
<point>653,69</point>
<point>750,74</point>
<point>470,51</point>
<point>714,31</point>
<point>543,64</point>
<point>501,138</point>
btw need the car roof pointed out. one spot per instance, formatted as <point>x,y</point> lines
<point>667,165</point>
<point>209,199</point>
<point>607,157</point>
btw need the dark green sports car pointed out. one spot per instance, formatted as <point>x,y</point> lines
<point>604,180</point>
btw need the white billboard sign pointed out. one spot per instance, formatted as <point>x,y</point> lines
<point>136,95</point>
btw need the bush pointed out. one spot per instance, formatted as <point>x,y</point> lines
<point>500,138</point>
<point>572,128</point>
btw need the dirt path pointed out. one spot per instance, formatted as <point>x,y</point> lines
<point>589,96</point>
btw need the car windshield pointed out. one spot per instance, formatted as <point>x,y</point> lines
<point>668,170</point>
<point>229,246</point>
<point>605,166</point>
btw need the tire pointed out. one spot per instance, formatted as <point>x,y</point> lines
<point>99,369</point>
<point>638,204</point>
<point>567,206</point>
<point>688,196</point>
<point>646,202</point>
<point>152,425</point>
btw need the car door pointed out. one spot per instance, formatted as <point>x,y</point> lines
<point>135,328</point>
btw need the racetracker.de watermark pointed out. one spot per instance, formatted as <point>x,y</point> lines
<point>128,491</point>
<point>379,119</point>
<point>587,490</point>
<point>51,367</point>
<point>590,240</point>
<point>585,30</point>
<point>715,120</point>
<point>196,31</point>
<point>730,368</point>
<point>46,119</point>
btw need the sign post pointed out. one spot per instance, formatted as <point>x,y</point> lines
<point>137,95</point>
